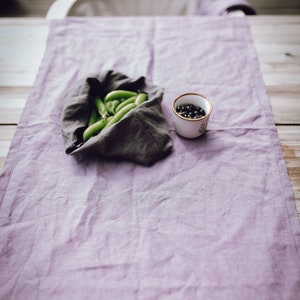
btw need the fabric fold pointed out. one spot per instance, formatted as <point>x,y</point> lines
<point>142,135</point>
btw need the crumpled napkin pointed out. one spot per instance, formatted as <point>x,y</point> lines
<point>142,135</point>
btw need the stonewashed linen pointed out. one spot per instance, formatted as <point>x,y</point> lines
<point>142,135</point>
<point>215,219</point>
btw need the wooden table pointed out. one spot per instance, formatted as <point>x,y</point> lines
<point>276,38</point>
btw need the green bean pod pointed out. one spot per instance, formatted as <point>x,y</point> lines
<point>94,129</point>
<point>94,116</point>
<point>119,95</point>
<point>109,118</point>
<point>124,103</point>
<point>120,114</point>
<point>101,107</point>
<point>111,106</point>
<point>142,97</point>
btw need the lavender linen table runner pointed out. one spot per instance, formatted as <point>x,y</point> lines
<point>215,219</point>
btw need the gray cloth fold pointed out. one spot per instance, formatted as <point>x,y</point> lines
<point>141,136</point>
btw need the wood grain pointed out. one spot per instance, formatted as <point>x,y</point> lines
<point>278,51</point>
<point>290,144</point>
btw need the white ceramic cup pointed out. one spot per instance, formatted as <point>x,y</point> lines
<point>191,128</point>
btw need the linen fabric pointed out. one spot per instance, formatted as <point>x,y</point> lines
<point>215,219</point>
<point>142,135</point>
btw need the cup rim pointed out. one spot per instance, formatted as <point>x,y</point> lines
<point>195,94</point>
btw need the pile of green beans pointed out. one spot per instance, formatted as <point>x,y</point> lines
<point>112,109</point>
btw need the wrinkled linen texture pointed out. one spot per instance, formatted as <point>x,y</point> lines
<point>215,219</point>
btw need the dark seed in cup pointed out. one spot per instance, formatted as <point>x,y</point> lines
<point>190,111</point>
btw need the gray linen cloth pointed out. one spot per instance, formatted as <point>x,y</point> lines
<point>142,135</point>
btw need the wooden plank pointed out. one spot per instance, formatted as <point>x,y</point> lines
<point>10,115</point>
<point>14,93</point>
<point>289,133</point>
<point>277,74</point>
<point>6,135</point>
<point>293,165</point>
<point>285,103</point>
<point>19,65</point>
<point>290,143</point>
<point>12,102</point>
<point>4,148</point>
<point>7,132</point>
<point>290,149</point>
<point>274,53</point>
<point>285,107</point>
<point>4,22</point>
<point>265,30</point>
<point>278,51</point>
